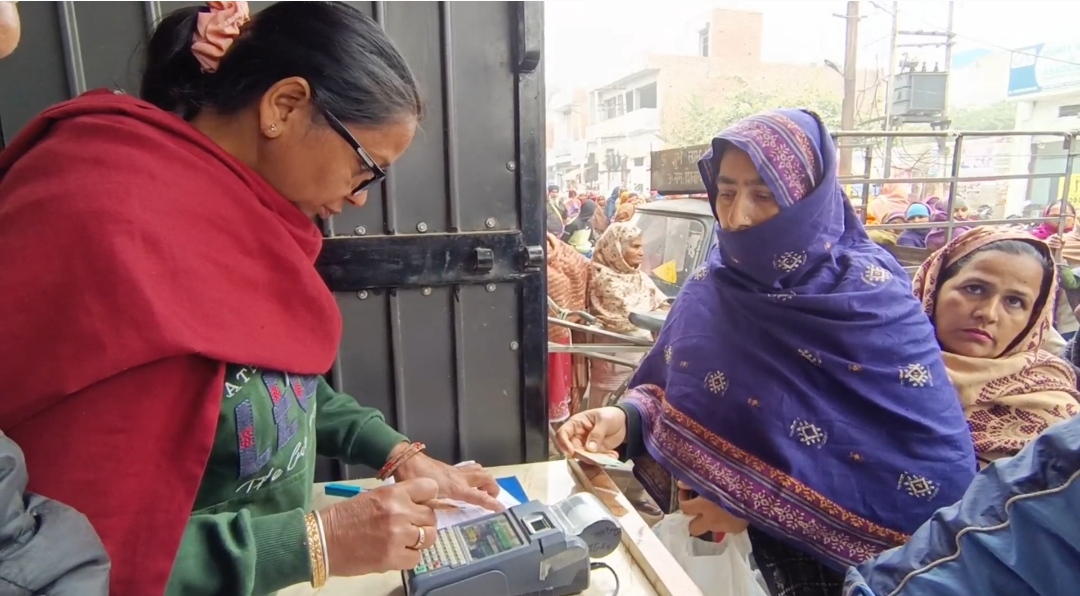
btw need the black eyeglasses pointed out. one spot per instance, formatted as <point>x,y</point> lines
<point>377,173</point>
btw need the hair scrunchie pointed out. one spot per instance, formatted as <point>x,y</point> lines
<point>216,30</point>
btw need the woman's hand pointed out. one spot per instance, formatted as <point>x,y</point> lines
<point>599,431</point>
<point>10,29</point>
<point>1054,242</point>
<point>470,483</point>
<point>708,516</point>
<point>379,530</point>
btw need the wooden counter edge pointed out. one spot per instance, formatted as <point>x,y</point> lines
<point>659,566</point>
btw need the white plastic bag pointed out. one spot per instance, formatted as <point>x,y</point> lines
<point>718,569</point>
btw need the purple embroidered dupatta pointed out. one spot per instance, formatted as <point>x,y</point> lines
<point>797,381</point>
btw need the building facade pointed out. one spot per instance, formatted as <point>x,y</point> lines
<point>1044,81</point>
<point>633,115</point>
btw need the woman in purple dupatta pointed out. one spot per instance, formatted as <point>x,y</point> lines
<point>797,383</point>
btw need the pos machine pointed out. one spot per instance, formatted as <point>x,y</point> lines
<point>530,548</point>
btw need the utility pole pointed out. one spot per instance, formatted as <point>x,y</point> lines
<point>943,146</point>
<point>890,89</point>
<point>851,70</point>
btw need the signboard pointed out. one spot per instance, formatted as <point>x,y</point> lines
<point>1074,189</point>
<point>1044,67</point>
<point>675,171</point>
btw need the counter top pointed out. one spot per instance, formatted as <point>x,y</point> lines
<point>548,482</point>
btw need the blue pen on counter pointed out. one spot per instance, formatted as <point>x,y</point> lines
<point>335,489</point>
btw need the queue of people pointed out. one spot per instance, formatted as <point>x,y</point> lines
<point>812,399</point>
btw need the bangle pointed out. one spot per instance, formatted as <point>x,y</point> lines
<point>322,543</point>
<point>391,466</point>
<point>316,542</point>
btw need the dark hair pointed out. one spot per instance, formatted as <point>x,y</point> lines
<point>354,70</point>
<point>1011,247</point>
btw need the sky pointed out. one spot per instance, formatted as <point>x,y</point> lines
<point>589,42</point>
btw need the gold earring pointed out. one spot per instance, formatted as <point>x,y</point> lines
<point>273,128</point>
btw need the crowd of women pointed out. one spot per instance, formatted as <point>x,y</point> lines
<point>820,399</point>
<point>594,267</point>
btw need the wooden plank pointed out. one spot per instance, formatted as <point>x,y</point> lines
<point>663,571</point>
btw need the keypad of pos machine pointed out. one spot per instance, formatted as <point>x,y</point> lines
<point>445,553</point>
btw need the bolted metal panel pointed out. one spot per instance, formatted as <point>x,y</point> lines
<point>440,275</point>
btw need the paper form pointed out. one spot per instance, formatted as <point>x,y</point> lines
<point>460,512</point>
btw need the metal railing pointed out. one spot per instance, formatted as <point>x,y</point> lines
<point>954,179</point>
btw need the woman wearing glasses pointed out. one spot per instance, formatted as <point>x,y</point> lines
<point>164,348</point>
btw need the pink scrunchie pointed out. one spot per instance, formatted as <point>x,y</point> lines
<point>216,30</point>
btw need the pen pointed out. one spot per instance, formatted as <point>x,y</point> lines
<point>335,489</point>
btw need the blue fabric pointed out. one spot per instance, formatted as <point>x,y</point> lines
<point>797,381</point>
<point>612,203</point>
<point>917,210</point>
<point>913,238</point>
<point>1016,532</point>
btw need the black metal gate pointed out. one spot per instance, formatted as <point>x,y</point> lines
<point>440,277</point>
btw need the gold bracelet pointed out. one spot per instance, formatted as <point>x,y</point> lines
<point>316,554</point>
<point>322,543</point>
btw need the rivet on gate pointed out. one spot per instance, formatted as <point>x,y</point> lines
<point>490,287</point>
<point>514,346</point>
<point>362,294</point>
<point>490,222</point>
<point>421,227</point>
<point>360,230</point>
<point>425,291</point>
<point>511,166</point>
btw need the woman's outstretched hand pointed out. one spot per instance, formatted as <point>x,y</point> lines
<point>601,430</point>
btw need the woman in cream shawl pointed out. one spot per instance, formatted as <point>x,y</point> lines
<point>989,294</point>
<point>617,287</point>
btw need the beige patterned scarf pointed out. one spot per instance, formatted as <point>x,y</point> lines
<point>615,288</point>
<point>1011,399</point>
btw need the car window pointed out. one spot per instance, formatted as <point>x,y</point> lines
<point>673,247</point>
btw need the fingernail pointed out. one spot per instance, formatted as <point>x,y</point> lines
<point>592,446</point>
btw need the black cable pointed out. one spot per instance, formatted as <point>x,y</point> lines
<point>594,566</point>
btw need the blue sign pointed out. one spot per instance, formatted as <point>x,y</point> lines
<point>1044,67</point>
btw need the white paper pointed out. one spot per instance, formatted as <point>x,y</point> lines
<point>463,512</point>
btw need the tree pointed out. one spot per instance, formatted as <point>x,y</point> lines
<point>702,117</point>
<point>998,116</point>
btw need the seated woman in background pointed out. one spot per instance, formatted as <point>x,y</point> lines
<point>894,197</point>
<point>915,237</point>
<point>796,386</point>
<point>989,294</point>
<point>618,287</point>
<point>887,237</point>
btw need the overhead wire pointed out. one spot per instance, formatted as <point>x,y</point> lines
<point>1021,52</point>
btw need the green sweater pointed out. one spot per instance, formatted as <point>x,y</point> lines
<point>246,534</point>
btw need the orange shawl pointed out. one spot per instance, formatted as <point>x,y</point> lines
<point>568,274</point>
<point>1011,399</point>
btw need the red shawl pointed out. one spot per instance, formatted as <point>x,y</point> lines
<point>138,257</point>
